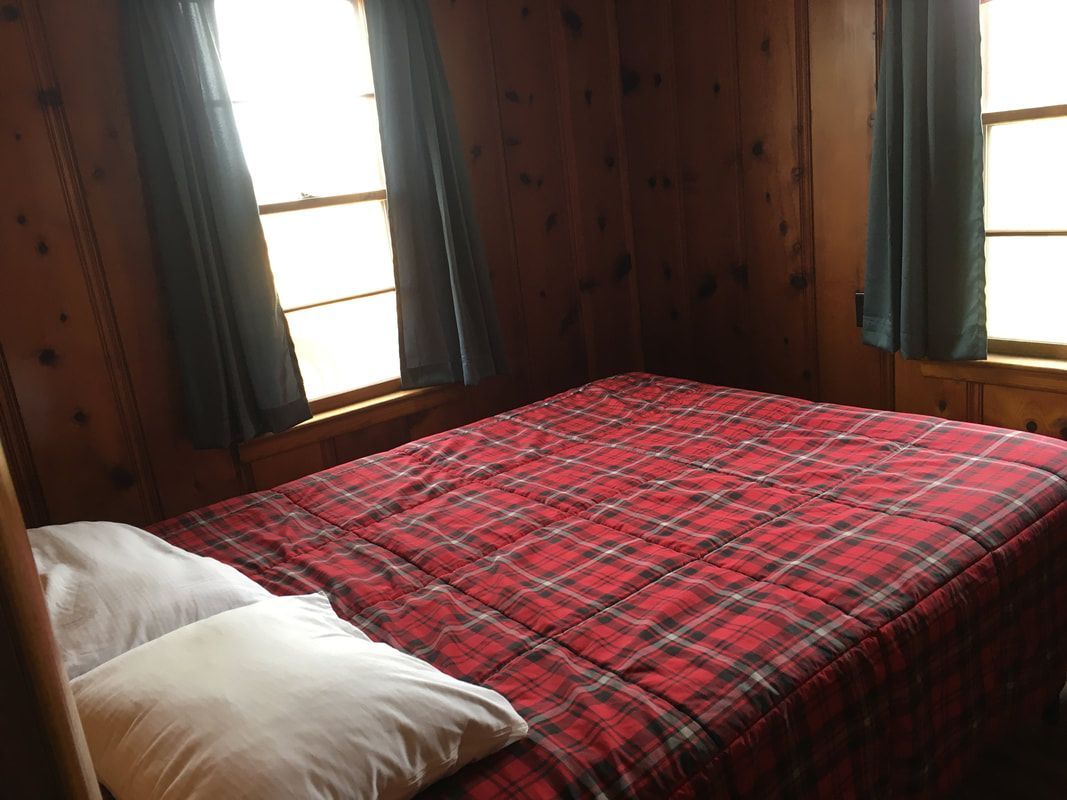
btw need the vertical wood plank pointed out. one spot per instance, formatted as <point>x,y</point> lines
<point>843,76</point>
<point>537,185</point>
<point>584,41</point>
<point>705,58</point>
<point>774,173</point>
<point>462,29</point>
<point>44,753</point>
<point>651,123</point>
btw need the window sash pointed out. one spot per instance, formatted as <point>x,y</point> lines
<point>303,203</point>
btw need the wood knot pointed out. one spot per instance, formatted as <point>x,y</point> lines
<point>623,266</point>
<point>10,12</point>
<point>42,248</point>
<point>631,79</point>
<point>80,417</point>
<point>1031,426</point>
<point>708,286</point>
<point>739,272</point>
<point>48,357</point>
<point>550,221</point>
<point>122,478</point>
<point>757,148</point>
<point>798,280</point>
<point>572,20</point>
<point>512,96</point>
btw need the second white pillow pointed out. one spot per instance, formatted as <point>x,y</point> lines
<point>282,699</point>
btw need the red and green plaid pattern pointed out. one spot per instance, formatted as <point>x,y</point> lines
<point>696,592</point>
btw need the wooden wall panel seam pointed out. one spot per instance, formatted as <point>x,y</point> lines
<point>671,79</point>
<point>807,214</point>
<point>525,389</point>
<point>565,118</point>
<point>90,260</point>
<point>629,233</point>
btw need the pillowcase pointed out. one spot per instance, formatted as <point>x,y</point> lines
<point>282,699</point>
<point>110,587</point>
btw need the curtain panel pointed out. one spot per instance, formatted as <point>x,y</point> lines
<point>239,371</point>
<point>925,282</point>
<point>448,325</point>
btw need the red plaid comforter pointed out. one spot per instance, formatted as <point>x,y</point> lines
<point>691,591</point>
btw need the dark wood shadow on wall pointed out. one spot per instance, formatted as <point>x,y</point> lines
<point>42,748</point>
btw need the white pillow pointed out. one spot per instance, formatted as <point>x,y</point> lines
<point>282,699</point>
<point>110,587</point>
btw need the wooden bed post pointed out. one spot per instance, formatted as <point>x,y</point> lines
<point>42,746</point>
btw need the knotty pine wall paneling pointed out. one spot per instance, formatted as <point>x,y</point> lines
<point>57,322</point>
<point>463,36</point>
<point>844,69</point>
<point>544,227</point>
<point>709,142</point>
<point>651,123</point>
<point>585,48</point>
<point>772,75</point>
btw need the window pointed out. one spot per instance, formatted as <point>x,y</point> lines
<point>300,81</point>
<point>1024,106</point>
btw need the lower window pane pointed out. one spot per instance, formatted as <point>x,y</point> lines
<point>1026,283</point>
<point>346,346</point>
<point>319,254</point>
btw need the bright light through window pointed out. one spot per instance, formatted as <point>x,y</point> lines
<point>1024,108</point>
<point>299,77</point>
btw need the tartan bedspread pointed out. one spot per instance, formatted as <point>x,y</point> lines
<point>696,592</point>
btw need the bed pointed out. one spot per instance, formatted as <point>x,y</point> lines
<point>693,591</point>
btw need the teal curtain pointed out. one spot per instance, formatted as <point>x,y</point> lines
<point>448,325</point>
<point>925,284</point>
<point>240,374</point>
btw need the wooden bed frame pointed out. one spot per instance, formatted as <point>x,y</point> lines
<point>42,746</point>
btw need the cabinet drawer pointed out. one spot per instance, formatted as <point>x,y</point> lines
<point>1026,410</point>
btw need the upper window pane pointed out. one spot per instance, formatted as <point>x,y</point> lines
<point>300,80</point>
<point>1024,53</point>
<point>1026,175</point>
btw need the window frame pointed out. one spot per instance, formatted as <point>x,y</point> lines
<point>310,202</point>
<point>1019,347</point>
